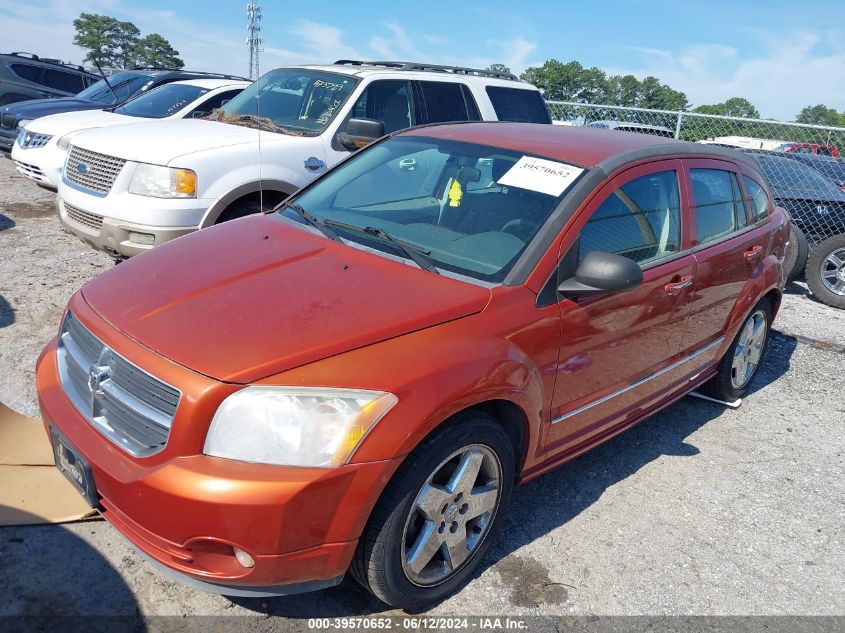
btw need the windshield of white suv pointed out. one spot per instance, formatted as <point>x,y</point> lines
<point>162,101</point>
<point>290,101</point>
<point>124,84</point>
<point>470,209</point>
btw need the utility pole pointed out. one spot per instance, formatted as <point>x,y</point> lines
<point>253,39</point>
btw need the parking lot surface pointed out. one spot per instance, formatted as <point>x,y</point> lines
<point>701,510</point>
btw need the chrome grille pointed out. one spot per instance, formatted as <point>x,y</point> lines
<point>30,171</point>
<point>90,220</point>
<point>31,140</point>
<point>91,170</point>
<point>126,404</point>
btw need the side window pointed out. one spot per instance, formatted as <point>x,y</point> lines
<point>61,80</point>
<point>717,209</point>
<point>389,102</point>
<point>444,101</point>
<point>514,104</point>
<point>28,72</point>
<point>640,220</point>
<point>759,200</point>
<point>216,101</point>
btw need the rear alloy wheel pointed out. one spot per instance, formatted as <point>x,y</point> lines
<point>438,514</point>
<point>741,364</point>
<point>825,271</point>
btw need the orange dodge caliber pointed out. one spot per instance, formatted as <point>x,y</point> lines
<point>356,380</point>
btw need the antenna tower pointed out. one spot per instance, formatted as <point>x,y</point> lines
<point>253,37</point>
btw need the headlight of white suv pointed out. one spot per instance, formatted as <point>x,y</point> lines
<point>64,142</point>
<point>295,426</point>
<point>163,182</point>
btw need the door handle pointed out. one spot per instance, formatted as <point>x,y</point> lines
<point>408,164</point>
<point>753,253</point>
<point>674,287</point>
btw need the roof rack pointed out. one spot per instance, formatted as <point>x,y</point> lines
<point>46,60</point>
<point>458,70</point>
<point>188,72</point>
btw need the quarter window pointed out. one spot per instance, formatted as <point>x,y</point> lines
<point>759,201</point>
<point>513,104</point>
<point>640,220</point>
<point>61,80</point>
<point>718,205</point>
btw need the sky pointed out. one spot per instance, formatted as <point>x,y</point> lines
<point>780,55</point>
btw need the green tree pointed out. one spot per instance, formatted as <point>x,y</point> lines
<point>98,35</point>
<point>623,90</point>
<point>155,51</point>
<point>498,68</point>
<point>656,96</point>
<point>735,106</point>
<point>568,82</point>
<point>820,115</point>
<point>126,42</point>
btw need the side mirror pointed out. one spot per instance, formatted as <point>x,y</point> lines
<point>601,272</point>
<point>224,102</point>
<point>360,133</point>
<point>198,114</point>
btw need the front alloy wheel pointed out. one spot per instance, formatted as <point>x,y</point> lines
<point>438,515</point>
<point>451,515</point>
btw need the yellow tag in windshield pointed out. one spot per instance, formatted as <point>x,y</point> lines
<point>455,194</point>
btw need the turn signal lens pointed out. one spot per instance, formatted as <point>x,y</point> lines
<point>186,182</point>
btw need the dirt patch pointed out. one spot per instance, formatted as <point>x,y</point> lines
<point>29,211</point>
<point>529,581</point>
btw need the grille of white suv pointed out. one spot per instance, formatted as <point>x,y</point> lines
<point>85,218</point>
<point>91,170</point>
<point>123,402</point>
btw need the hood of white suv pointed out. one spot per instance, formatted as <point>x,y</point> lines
<point>160,142</point>
<point>67,122</point>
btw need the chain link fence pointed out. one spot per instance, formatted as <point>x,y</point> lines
<point>803,164</point>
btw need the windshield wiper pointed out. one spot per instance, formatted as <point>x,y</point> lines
<point>414,252</point>
<point>313,221</point>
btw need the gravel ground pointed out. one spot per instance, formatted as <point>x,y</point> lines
<point>701,510</point>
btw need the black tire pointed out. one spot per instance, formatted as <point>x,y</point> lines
<point>378,561</point>
<point>818,264</point>
<point>796,254</point>
<point>239,209</point>
<point>723,385</point>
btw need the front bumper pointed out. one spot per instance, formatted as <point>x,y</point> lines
<point>113,236</point>
<point>187,511</point>
<point>42,165</point>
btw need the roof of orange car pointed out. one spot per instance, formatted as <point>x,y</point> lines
<point>578,145</point>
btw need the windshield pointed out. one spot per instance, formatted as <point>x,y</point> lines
<point>292,100</point>
<point>162,101</point>
<point>470,209</point>
<point>125,84</point>
<point>786,175</point>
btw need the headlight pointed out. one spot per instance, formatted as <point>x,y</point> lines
<point>295,426</point>
<point>163,182</point>
<point>64,142</point>
<point>22,123</point>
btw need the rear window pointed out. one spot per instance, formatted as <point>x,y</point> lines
<point>61,80</point>
<point>447,102</point>
<point>513,104</point>
<point>718,206</point>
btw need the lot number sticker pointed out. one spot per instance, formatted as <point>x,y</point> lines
<point>536,174</point>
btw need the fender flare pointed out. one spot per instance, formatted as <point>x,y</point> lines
<point>266,184</point>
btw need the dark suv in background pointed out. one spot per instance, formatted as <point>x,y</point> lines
<point>25,76</point>
<point>121,87</point>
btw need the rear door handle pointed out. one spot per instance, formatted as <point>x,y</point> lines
<point>753,253</point>
<point>674,287</point>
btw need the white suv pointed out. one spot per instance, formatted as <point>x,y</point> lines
<point>127,189</point>
<point>41,147</point>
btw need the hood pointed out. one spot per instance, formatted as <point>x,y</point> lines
<point>42,107</point>
<point>254,297</point>
<point>66,122</point>
<point>161,141</point>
